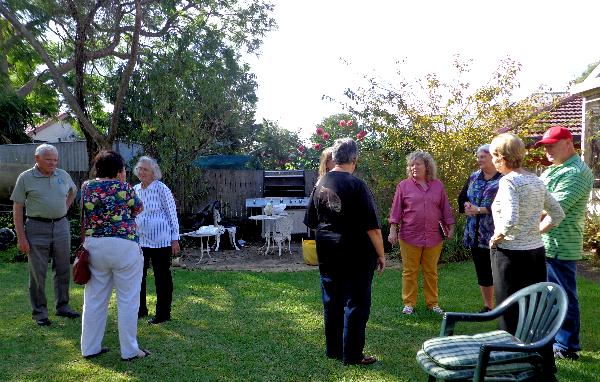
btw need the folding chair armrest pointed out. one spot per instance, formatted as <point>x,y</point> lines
<point>451,318</point>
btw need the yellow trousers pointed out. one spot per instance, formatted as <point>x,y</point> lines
<point>427,258</point>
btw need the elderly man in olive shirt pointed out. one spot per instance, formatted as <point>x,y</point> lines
<point>47,193</point>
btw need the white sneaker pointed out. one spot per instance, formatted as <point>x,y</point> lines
<point>407,309</point>
<point>437,309</point>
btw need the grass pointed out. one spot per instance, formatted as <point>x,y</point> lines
<point>241,326</point>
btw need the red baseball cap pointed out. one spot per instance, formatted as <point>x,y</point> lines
<point>554,134</point>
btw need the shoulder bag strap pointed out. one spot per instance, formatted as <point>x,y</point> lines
<point>81,215</point>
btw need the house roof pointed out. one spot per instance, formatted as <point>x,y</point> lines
<point>589,86</point>
<point>50,122</point>
<point>567,112</point>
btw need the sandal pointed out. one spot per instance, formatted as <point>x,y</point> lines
<point>143,353</point>
<point>102,351</point>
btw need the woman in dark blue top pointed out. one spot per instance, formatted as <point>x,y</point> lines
<point>474,201</point>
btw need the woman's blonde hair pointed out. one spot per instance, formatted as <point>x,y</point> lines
<point>510,147</point>
<point>326,155</point>
<point>430,167</point>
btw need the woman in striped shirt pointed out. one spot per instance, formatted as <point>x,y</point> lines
<point>158,228</point>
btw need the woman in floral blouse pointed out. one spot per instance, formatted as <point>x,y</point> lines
<point>474,201</point>
<point>110,206</point>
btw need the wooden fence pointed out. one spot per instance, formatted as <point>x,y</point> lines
<point>232,188</point>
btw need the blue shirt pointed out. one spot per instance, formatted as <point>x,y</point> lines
<point>480,192</point>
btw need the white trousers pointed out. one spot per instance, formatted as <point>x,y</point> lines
<point>119,263</point>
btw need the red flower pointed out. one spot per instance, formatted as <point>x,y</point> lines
<point>320,131</point>
<point>349,123</point>
<point>301,148</point>
<point>325,136</point>
<point>361,134</point>
<point>342,122</point>
<point>317,146</point>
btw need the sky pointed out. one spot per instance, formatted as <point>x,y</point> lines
<point>322,47</point>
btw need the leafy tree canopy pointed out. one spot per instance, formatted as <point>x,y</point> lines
<point>93,42</point>
<point>448,119</point>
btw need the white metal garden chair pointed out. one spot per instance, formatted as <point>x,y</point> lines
<point>282,232</point>
<point>230,230</point>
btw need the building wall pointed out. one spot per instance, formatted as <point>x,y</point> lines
<point>60,131</point>
<point>72,156</point>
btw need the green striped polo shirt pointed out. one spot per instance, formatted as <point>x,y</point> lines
<point>570,183</point>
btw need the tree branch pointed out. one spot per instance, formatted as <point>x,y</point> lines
<point>118,106</point>
<point>69,98</point>
<point>161,32</point>
<point>109,50</point>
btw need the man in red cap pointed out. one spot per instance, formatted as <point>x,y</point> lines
<point>570,181</point>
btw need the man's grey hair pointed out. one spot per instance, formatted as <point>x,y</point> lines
<point>153,165</point>
<point>44,148</point>
<point>483,149</point>
<point>345,150</point>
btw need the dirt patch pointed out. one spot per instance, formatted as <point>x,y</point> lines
<point>251,258</point>
<point>589,268</point>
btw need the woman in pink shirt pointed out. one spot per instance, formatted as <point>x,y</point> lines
<point>419,212</point>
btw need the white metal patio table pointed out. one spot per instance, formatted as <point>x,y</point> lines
<point>269,225</point>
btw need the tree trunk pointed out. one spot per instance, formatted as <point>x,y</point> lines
<point>4,79</point>
<point>92,145</point>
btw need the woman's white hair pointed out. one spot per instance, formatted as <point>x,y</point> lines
<point>153,165</point>
<point>483,149</point>
<point>42,149</point>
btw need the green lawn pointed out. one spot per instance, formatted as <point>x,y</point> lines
<point>240,326</point>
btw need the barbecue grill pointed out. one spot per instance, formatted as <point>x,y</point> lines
<point>284,187</point>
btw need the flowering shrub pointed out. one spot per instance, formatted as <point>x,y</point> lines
<point>326,132</point>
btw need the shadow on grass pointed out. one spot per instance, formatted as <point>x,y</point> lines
<point>234,326</point>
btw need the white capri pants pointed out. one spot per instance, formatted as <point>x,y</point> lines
<point>113,262</point>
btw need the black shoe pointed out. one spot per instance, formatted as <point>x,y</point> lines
<point>43,322</point>
<point>365,360</point>
<point>68,314</point>
<point>102,351</point>
<point>158,320</point>
<point>565,354</point>
<point>143,353</point>
<point>485,309</point>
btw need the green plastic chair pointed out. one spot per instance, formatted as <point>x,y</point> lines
<point>498,355</point>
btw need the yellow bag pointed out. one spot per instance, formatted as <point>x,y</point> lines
<point>309,252</point>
